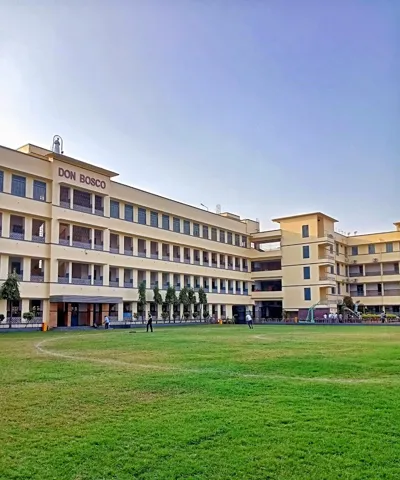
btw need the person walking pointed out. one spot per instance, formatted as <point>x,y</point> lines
<point>106,322</point>
<point>249,320</point>
<point>149,323</point>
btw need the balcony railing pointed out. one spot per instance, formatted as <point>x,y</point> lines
<point>128,251</point>
<point>37,278</point>
<point>99,212</point>
<point>230,290</point>
<point>355,274</point>
<point>245,268</point>
<point>142,254</point>
<point>214,290</point>
<point>166,257</point>
<point>370,273</point>
<point>373,293</point>
<point>329,277</point>
<point>114,249</point>
<point>214,264</point>
<point>38,239</point>
<point>154,256</point>
<point>245,291</point>
<point>82,208</point>
<point>187,260</point>
<point>80,281</point>
<point>230,267</point>
<point>390,272</point>
<point>197,261</point>
<point>114,283</point>
<point>238,291</point>
<point>65,203</point>
<point>79,244</point>
<point>356,294</point>
<point>395,292</point>
<point>63,279</point>
<point>128,284</point>
<point>206,288</point>
<point>97,282</point>
<point>17,236</point>
<point>98,246</point>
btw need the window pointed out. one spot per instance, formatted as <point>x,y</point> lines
<point>305,231</point>
<point>338,268</point>
<point>360,290</point>
<point>196,230</point>
<point>306,251</point>
<point>389,246</point>
<point>307,294</point>
<point>186,227</point>
<point>154,219</point>
<point>237,240</point>
<point>229,239</point>
<point>129,213</point>
<point>222,236</point>
<point>205,231</point>
<point>306,273</point>
<point>165,222</point>
<point>332,270</point>
<point>142,216</point>
<point>18,186</point>
<point>214,234</point>
<point>177,225</point>
<point>333,290</point>
<point>39,191</point>
<point>114,209</point>
<point>354,250</point>
<point>1,181</point>
<point>371,249</point>
<point>244,241</point>
<point>337,249</point>
<point>338,289</point>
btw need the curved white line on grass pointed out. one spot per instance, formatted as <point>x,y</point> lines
<point>344,381</point>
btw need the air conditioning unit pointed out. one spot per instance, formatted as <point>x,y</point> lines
<point>354,261</point>
<point>376,260</point>
<point>355,280</point>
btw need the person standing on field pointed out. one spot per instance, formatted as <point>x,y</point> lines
<point>106,322</point>
<point>249,320</point>
<point>149,323</point>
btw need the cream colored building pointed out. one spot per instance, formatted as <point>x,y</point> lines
<point>81,244</point>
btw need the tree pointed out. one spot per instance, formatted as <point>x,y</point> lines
<point>184,299</point>
<point>170,300</point>
<point>202,300</point>
<point>10,292</point>
<point>192,299</point>
<point>158,300</point>
<point>348,302</point>
<point>142,298</point>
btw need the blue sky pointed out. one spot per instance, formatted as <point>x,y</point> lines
<point>268,108</point>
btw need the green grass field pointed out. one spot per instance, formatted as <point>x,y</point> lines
<point>210,402</point>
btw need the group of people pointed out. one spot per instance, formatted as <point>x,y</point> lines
<point>149,324</point>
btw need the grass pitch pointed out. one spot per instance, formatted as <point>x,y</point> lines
<point>209,402</point>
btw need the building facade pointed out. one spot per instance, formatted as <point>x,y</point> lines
<point>81,243</point>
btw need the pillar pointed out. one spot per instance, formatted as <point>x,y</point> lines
<point>121,276</point>
<point>120,312</point>
<point>45,312</point>
<point>92,237</point>
<point>28,229</point>
<point>92,202</point>
<point>106,275</point>
<point>229,313</point>
<point>135,278</point>
<point>51,318</point>
<point>106,240</point>
<point>135,246</point>
<point>5,225</point>
<point>70,233</point>
<point>69,272</point>
<point>91,273</point>
<point>26,269</point>
<point>24,307</point>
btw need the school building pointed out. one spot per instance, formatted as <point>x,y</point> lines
<point>81,243</point>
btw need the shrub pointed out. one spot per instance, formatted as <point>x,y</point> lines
<point>2,317</point>
<point>164,315</point>
<point>28,316</point>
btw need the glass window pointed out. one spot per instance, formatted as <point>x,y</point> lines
<point>205,231</point>
<point>142,216</point>
<point>1,181</point>
<point>196,230</point>
<point>186,227</point>
<point>165,222</point>
<point>371,249</point>
<point>305,231</point>
<point>18,186</point>
<point>337,249</point>
<point>177,225</point>
<point>307,294</point>
<point>222,236</point>
<point>354,250</point>
<point>244,241</point>
<point>214,234</point>
<point>306,251</point>
<point>333,291</point>
<point>154,219</point>
<point>237,240</point>
<point>129,213</point>
<point>306,273</point>
<point>39,190</point>
<point>389,247</point>
<point>114,209</point>
<point>229,239</point>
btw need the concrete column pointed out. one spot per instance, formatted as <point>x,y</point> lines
<point>135,245</point>
<point>28,228</point>
<point>91,273</point>
<point>148,249</point>
<point>92,237</point>
<point>181,251</point>
<point>5,260</point>
<point>160,250</point>
<point>51,318</point>
<point>160,282</point>
<point>69,272</point>
<point>192,281</point>
<point>29,187</point>
<point>5,229</point>
<point>148,279</point>
<point>106,206</point>
<point>24,306</point>
<point>92,202</point>
<point>121,242</point>
<point>120,312</point>
<point>45,311</point>
<point>229,313</point>
<point>70,233</point>
<point>27,269</point>
<point>135,279</point>
<point>106,240</point>
<point>71,198</point>
<point>191,251</point>
<point>121,276</point>
<point>182,280</point>
<point>7,182</point>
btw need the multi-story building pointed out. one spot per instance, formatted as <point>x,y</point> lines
<point>81,243</point>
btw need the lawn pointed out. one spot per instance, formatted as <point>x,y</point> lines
<point>209,402</point>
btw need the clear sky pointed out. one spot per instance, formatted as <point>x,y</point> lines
<point>267,107</point>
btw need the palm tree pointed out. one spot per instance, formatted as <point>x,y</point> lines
<point>184,299</point>
<point>142,298</point>
<point>192,299</point>
<point>202,300</point>
<point>10,292</point>
<point>158,300</point>
<point>170,300</point>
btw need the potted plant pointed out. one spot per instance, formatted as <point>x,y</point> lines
<point>195,315</point>
<point>28,316</point>
<point>186,315</point>
<point>164,315</point>
<point>2,317</point>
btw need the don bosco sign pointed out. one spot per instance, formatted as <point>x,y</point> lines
<point>80,177</point>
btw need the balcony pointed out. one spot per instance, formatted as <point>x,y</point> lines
<point>128,252</point>
<point>329,277</point>
<point>245,268</point>
<point>245,291</point>
<point>154,255</point>
<point>37,278</point>
<point>394,292</point>
<point>326,238</point>
<point>114,283</point>
<point>98,282</point>
<point>214,264</point>
<point>128,283</point>
<point>372,273</point>
<point>80,281</point>
<point>98,246</point>
<point>214,290</point>
<point>186,260</point>
<point>63,279</point>
<point>373,293</point>
<point>196,261</point>
<point>206,288</point>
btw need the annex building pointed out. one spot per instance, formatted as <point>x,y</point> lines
<point>81,243</point>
